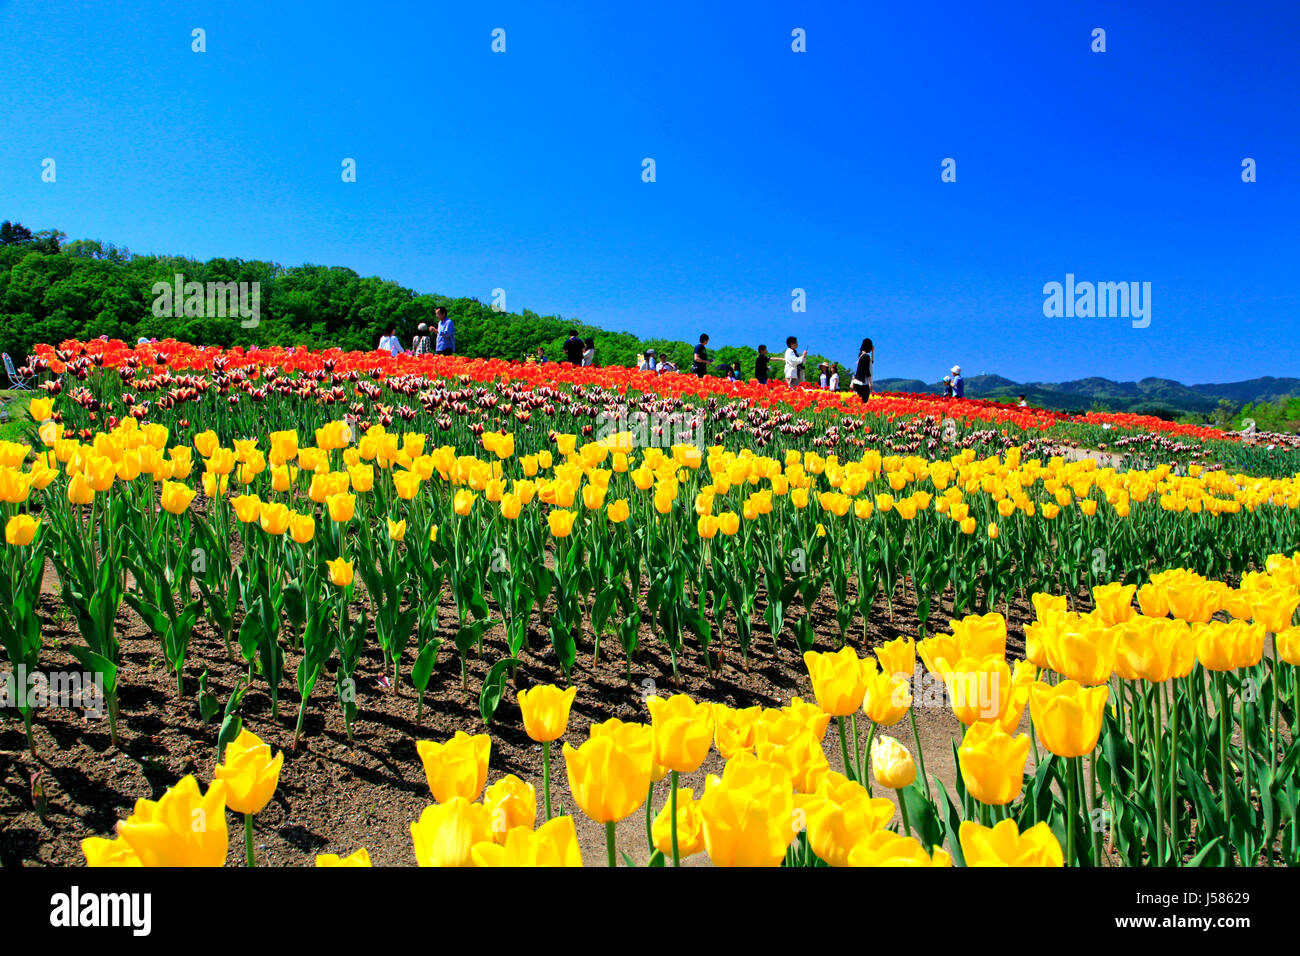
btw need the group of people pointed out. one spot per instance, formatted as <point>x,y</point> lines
<point>422,343</point>
<point>580,351</point>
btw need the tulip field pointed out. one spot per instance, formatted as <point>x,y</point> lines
<point>598,616</point>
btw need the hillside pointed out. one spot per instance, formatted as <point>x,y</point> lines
<point>52,290</point>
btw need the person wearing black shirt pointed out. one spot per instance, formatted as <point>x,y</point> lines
<point>864,375</point>
<point>700,363</point>
<point>760,365</point>
<point>573,348</point>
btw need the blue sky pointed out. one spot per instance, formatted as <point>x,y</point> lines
<point>775,170</point>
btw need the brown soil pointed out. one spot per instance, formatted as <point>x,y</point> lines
<point>334,797</point>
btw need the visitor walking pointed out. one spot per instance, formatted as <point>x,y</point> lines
<point>446,341</point>
<point>760,365</point>
<point>864,374</point>
<point>958,383</point>
<point>700,361</point>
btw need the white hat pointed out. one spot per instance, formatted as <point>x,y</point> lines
<point>956,370</point>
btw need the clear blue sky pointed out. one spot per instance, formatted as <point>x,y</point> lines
<point>775,170</point>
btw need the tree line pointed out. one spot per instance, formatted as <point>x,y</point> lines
<point>52,289</point>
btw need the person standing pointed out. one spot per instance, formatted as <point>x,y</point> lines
<point>864,374</point>
<point>834,385</point>
<point>589,352</point>
<point>958,383</point>
<point>422,344</point>
<point>760,365</point>
<point>793,361</point>
<point>446,341</point>
<point>947,386</point>
<point>390,343</point>
<point>700,361</point>
<point>541,355</point>
<point>573,348</point>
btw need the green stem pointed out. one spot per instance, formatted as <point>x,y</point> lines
<point>1225,715</point>
<point>248,839</point>
<point>902,808</point>
<point>1071,797</point>
<point>1173,774</point>
<point>649,817</point>
<point>546,775</point>
<point>677,860</point>
<point>1157,712</point>
<point>849,770</point>
<point>920,754</point>
<point>609,843</point>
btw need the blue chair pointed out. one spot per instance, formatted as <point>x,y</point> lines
<point>16,381</point>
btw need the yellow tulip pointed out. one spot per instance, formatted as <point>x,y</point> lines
<point>446,833</point>
<point>183,828</point>
<point>683,731</point>
<point>728,523</point>
<point>1068,716</point>
<point>887,699</point>
<point>340,572</point>
<point>618,511</point>
<point>457,768</point>
<point>101,852</point>
<point>21,529</point>
<point>561,522</point>
<point>748,815</point>
<point>610,773</point>
<point>274,518</point>
<point>839,679</point>
<point>898,657</point>
<point>546,711</point>
<point>510,803</point>
<point>690,826</point>
<point>463,501</point>
<point>79,490</point>
<point>360,858</point>
<point>839,814</point>
<point>733,730</point>
<point>1227,647</point>
<point>176,497</point>
<point>396,529</point>
<point>40,409</point>
<point>342,507</point>
<point>1114,602</point>
<point>885,848</point>
<point>248,508</point>
<point>992,763</point>
<point>1288,645</point>
<point>891,763</point>
<point>1004,845</point>
<point>1275,607</point>
<point>302,527</point>
<point>249,772</point>
<point>554,843</point>
<point>206,443</point>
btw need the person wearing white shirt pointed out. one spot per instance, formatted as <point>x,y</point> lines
<point>793,361</point>
<point>835,378</point>
<point>390,343</point>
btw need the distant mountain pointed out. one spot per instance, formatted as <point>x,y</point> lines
<point>1161,396</point>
